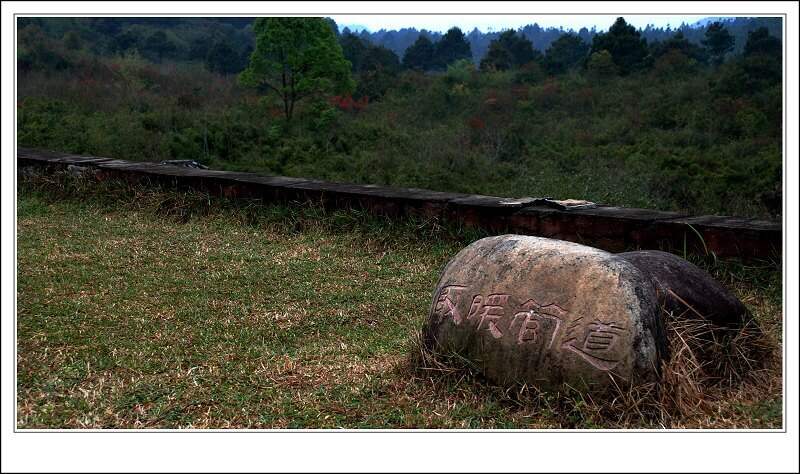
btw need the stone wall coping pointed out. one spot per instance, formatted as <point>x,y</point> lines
<point>608,227</point>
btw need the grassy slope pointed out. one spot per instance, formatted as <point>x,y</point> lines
<point>127,318</point>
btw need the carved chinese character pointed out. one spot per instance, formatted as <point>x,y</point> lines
<point>529,331</point>
<point>446,303</point>
<point>597,343</point>
<point>489,312</point>
<point>532,319</point>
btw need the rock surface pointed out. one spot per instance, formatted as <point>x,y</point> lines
<point>682,286</point>
<point>548,312</point>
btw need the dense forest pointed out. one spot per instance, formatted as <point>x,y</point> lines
<point>686,119</point>
<point>541,38</point>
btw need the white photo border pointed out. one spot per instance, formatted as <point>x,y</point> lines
<point>399,450</point>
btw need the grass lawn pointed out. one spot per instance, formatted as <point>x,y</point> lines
<point>136,310</point>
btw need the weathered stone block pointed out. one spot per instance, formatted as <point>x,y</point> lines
<point>682,286</point>
<point>548,312</point>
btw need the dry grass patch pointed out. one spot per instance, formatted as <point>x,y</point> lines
<point>163,310</point>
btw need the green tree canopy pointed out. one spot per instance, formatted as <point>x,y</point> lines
<point>379,58</point>
<point>566,52</point>
<point>759,68</point>
<point>379,68</point>
<point>761,42</point>
<point>452,47</point>
<point>762,63</point>
<point>497,58</point>
<point>332,24</point>
<point>521,48</point>
<point>157,46</point>
<point>420,54</point>
<point>601,65</point>
<point>368,57</point>
<point>680,44</point>
<point>718,42</point>
<point>354,49</point>
<point>509,50</point>
<point>297,58</point>
<point>628,50</point>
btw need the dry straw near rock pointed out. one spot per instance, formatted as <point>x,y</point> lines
<point>706,357</point>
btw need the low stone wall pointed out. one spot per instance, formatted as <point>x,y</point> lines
<point>607,227</point>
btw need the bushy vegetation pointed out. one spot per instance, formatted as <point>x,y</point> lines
<point>674,124</point>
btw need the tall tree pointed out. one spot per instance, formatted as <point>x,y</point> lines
<point>497,58</point>
<point>763,59</point>
<point>521,48</point>
<point>378,72</point>
<point>354,49</point>
<point>378,58</point>
<point>718,42</point>
<point>679,43</point>
<point>452,47</point>
<point>297,58</point>
<point>509,50</point>
<point>566,52</point>
<point>759,68</point>
<point>628,50</point>
<point>420,54</point>
<point>334,27</point>
<point>761,42</point>
<point>601,65</point>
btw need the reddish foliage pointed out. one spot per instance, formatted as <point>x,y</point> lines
<point>584,137</point>
<point>729,107</point>
<point>548,94</point>
<point>491,98</point>
<point>550,87</point>
<point>476,123</point>
<point>348,104</point>
<point>520,92</point>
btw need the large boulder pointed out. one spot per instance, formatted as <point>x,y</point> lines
<point>683,288</point>
<point>548,312</point>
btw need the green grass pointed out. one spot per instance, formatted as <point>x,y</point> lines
<point>150,309</point>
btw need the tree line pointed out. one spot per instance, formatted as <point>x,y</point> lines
<point>622,50</point>
<point>542,37</point>
<point>224,45</point>
<point>628,48</point>
<point>229,46</point>
<point>306,53</point>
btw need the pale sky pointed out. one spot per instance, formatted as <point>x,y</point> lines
<point>501,22</point>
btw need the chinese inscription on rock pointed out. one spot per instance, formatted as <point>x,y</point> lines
<point>532,323</point>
